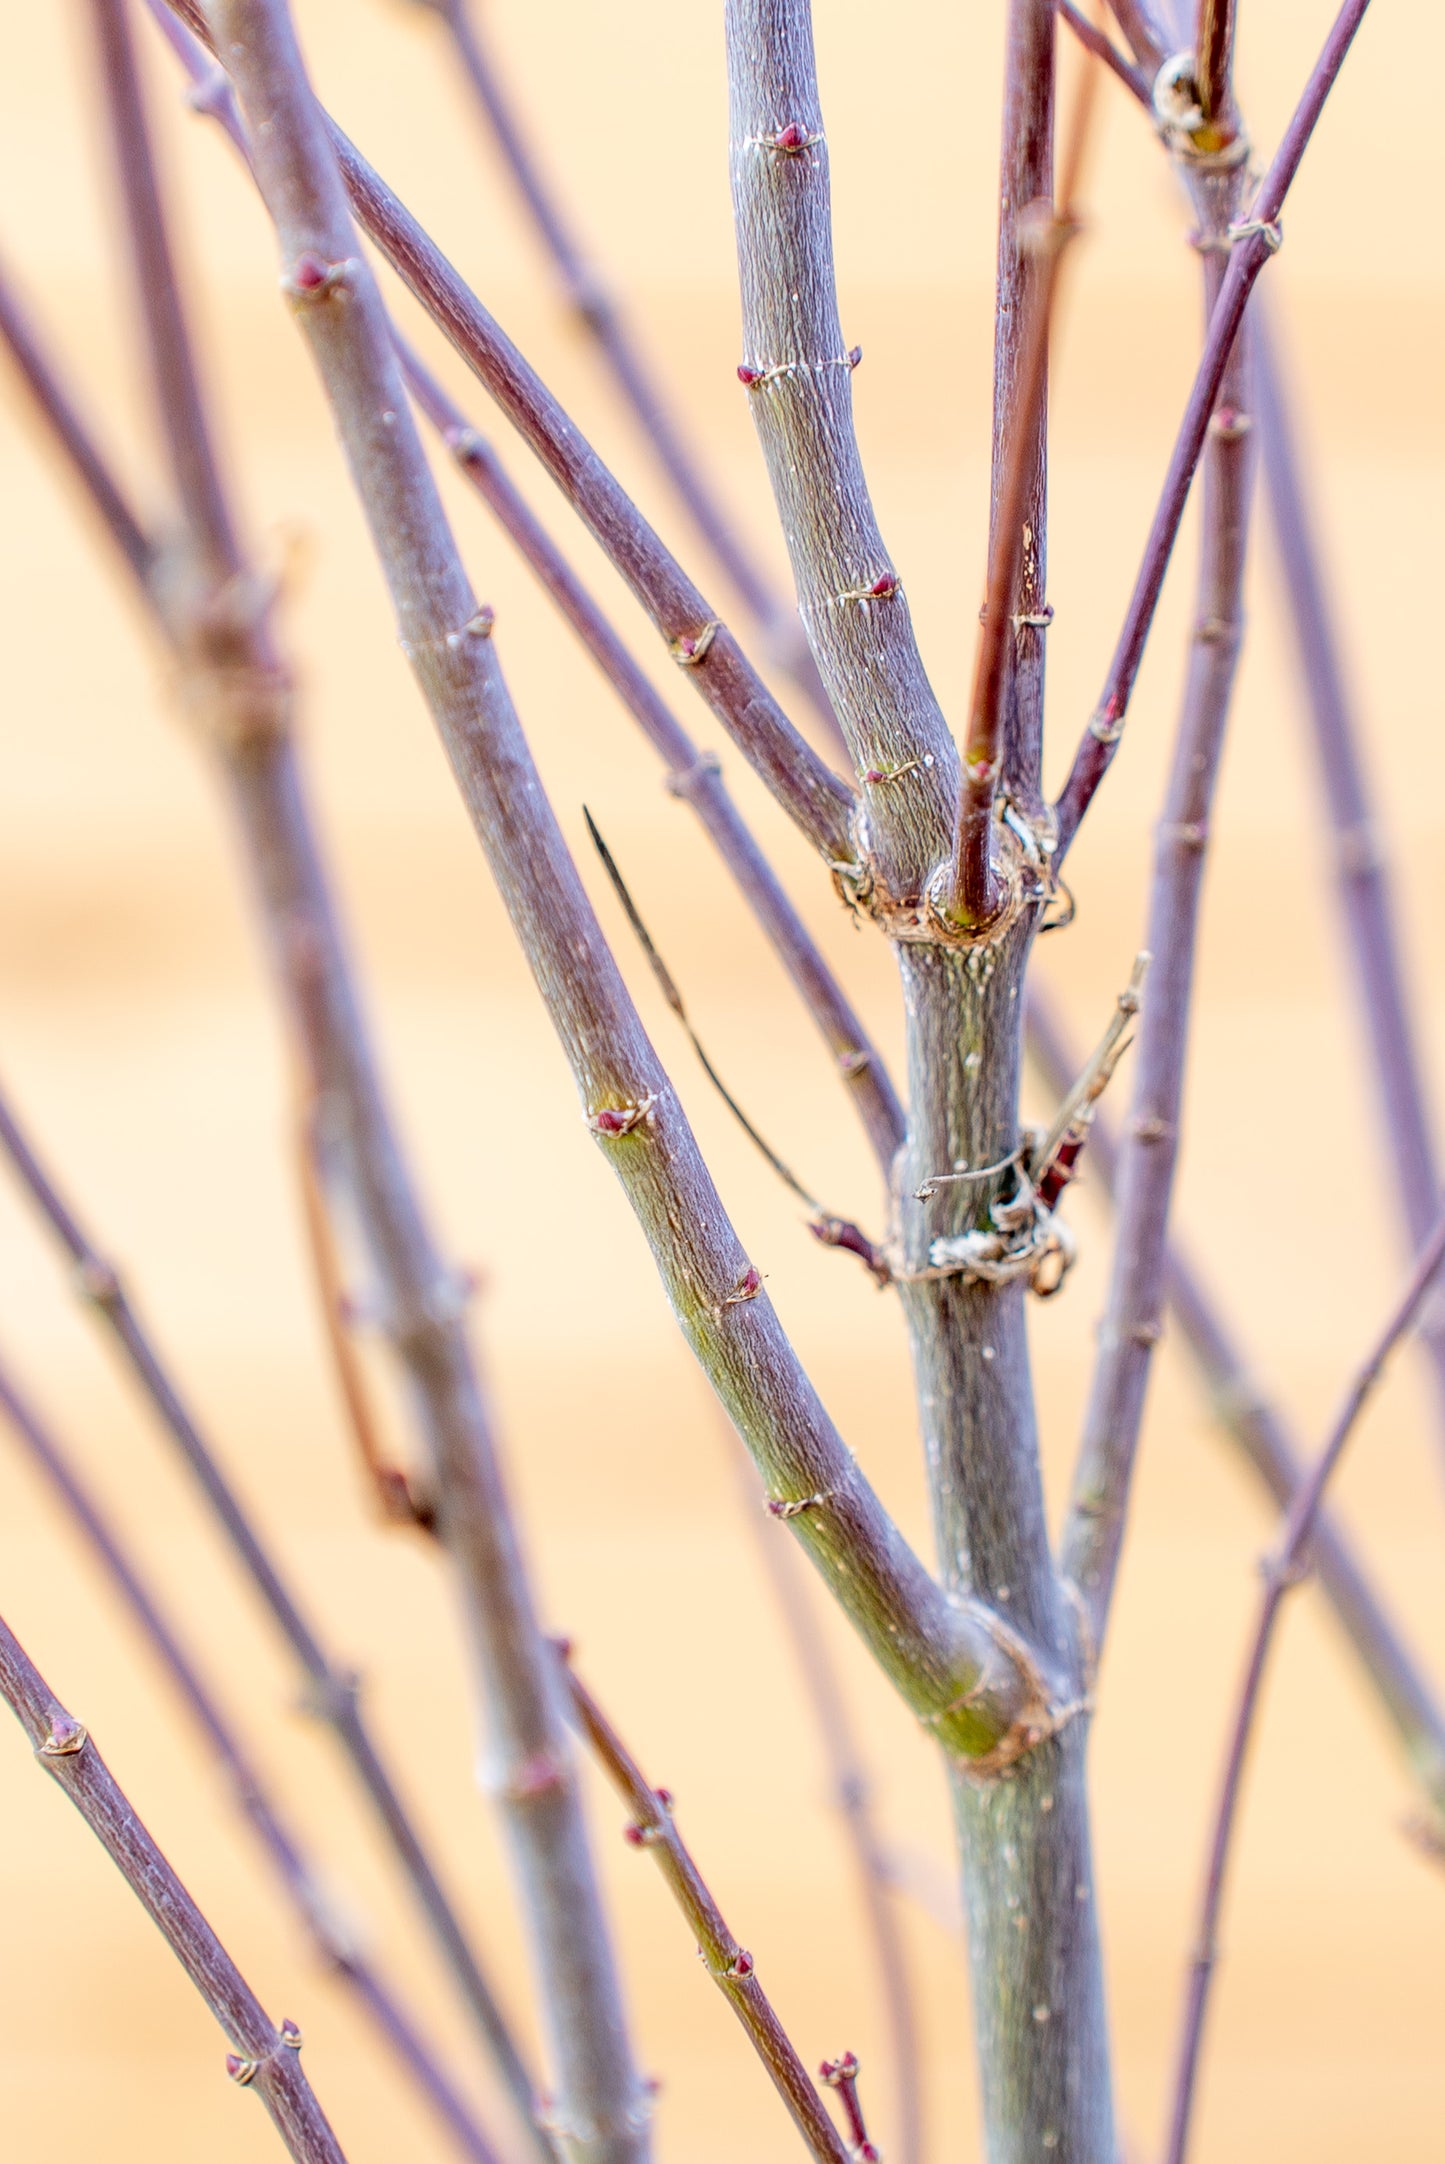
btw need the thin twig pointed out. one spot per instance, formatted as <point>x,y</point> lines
<point>728,1963</point>
<point>1094,1529</point>
<point>1359,863</point>
<point>798,375</point>
<point>1258,1432</point>
<point>1034,233</point>
<point>336,1946</point>
<point>263,2057</point>
<point>852,1792</point>
<point>832,1231</point>
<point>812,795</point>
<point>1283,1570</point>
<point>392,1489</point>
<point>1254,240</point>
<point>332,1689</point>
<point>946,1656</point>
<point>596,310</point>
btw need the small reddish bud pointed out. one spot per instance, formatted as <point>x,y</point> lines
<point>291,2036</point>
<point>748,376</point>
<point>750,1283</point>
<point>242,2071</point>
<point>793,137</point>
<point>635,1836</point>
<point>881,588</point>
<point>855,355</point>
<point>664,1797</point>
<point>309,274</point>
<point>610,1123</point>
<point>874,775</point>
<point>742,1964</point>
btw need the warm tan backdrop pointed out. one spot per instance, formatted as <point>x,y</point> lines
<point>135,1033</point>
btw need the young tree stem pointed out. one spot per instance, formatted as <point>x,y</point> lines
<point>336,1947</point>
<point>1284,1569</point>
<point>263,2057</point>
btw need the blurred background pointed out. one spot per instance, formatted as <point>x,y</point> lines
<point>136,1037</point>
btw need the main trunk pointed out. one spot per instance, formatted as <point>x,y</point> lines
<point>1023,1830</point>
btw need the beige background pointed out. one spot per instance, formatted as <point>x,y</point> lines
<point>136,1036</point>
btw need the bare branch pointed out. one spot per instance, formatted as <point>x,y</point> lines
<point>1284,1570</point>
<point>332,1689</point>
<point>334,1945</point>
<point>598,313</point>
<point>1214,64</point>
<point>1093,39</point>
<point>1094,1529</point>
<point>819,803</point>
<point>262,2056</point>
<point>798,375</point>
<point>1146,34</point>
<point>1360,868</point>
<point>728,1963</point>
<point>77,446</point>
<point>1003,740</point>
<point>692,773</point>
<point>1257,1430</point>
<point>601,2110</point>
<point>1252,242</point>
<point>853,1797</point>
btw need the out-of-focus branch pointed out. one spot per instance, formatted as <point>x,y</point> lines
<point>73,439</point>
<point>1146,34</point>
<point>1284,1570</point>
<point>262,2056</point>
<point>798,375</point>
<point>1360,869</point>
<point>626,363</point>
<point>946,1657</point>
<point>332,1689</point>
<point>1092,38</point>
<point>819,803</point>
<point>1253,240</point>
<point>334,1945</point>
<point>1094,1529</point>
<point>1258,1432</point>
<point>728,1963</point>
